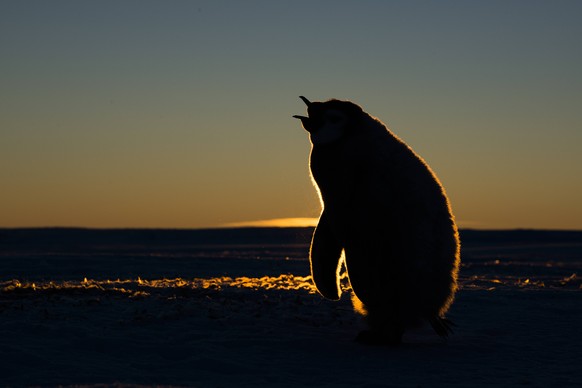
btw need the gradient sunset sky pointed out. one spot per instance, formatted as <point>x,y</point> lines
<point>177,114</point>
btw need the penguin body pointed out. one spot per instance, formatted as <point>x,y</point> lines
<point>385,208</point>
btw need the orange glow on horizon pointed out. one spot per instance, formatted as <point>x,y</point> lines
<point>275,223</point>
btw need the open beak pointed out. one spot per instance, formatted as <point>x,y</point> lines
<point>304,119</point>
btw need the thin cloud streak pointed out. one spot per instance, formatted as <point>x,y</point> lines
<point>274,223</point>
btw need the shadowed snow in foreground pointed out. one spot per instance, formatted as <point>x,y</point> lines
<point>155,313</point>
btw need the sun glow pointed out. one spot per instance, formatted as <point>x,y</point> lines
<point>143,288</point>
<point>275,223</point>
<point>92,291</point>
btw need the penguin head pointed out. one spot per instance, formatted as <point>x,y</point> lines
<point>329,121</point>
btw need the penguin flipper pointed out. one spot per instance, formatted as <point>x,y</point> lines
<point>325,257</point>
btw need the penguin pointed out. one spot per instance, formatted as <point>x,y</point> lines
<point>386,216</point>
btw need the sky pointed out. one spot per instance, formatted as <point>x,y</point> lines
<point>177,114</point>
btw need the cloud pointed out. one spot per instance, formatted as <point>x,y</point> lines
<point>274,223</point>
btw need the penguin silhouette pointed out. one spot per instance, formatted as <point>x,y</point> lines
<point>387,211</point>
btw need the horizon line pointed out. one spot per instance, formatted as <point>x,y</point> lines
<point>295,222</point>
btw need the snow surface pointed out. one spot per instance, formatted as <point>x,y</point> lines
<point>160,311</point>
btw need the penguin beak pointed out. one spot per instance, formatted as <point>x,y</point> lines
<point>304,120</point>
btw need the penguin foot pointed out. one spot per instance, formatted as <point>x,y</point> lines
<point>442,326</point>
<point>369,337</point>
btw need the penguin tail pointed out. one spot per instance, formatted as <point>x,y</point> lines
<point>441,325</point>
